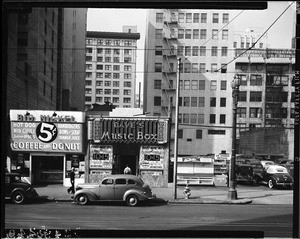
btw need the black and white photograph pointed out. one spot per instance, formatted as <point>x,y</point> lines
<point>150,119</point>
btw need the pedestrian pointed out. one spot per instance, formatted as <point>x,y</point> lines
<point>72,179</point>
<point>127,170</point>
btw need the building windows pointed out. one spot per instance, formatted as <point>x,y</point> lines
<point>159,17</point>
<point>117,51</point>
<point>255,96</point>
<point>193,118</point>
<point>116,59</point>
<point>116,91</point>
<point>158,67</point>
<point>224,51</point>
<point>256,80</point>
<point>99,75</point>
<point>181,17</point>
<point>88,91</point>
<point>203,17</point>
<point>107,51</point>
<point>127,84</point>
<point>188,33</point>
<point>128,52</point>
<point>212,118</point>
<point>200,118</point>
<point>157,84</point>
<point>180,51</point>
<point>243,79</point>
<point>216,132</point>
<point>186,101</point>
<point>158,33</point>
<point>116,100</point>
<point>88,82</point>
<point>241,66</point>
<point>213,67</point>
<point>223,85</point>
<point>88,67</point>
<point>180,33</point>
<point>129,43</point>
<point>195,50</point>
<point>127,76</point>
<point>107,75</point>
<point>225,34</point>
<point>202,51</point>
<point>157,101</point>
<point>201,101</point>
<point>202,34</point>
<point>158,50</point>
<point>195,33</point>
<point>223,68</point>
<point>213,85</point>
<point>198,134</point>
<point>116,84</point>
<point>117,42</point>
<point>188,51</point>
<point>88,98</point>
<point>127,59</point>
<point>225,17</point>
<point>116,67</point>
<point>202,67</point>
<point>180,134</point>
<point>188,17</point>
<point>255,112</point>
<point>187,68</point>
<point>215,34</point>
<point>242,96</point>
<point>215,18</point>
<point>194,102</point>
<point>88,58</point>
<point>88,74</point>
<point>212,102</point>
<point>108,42</point>
<point>127,68</point>
<point>241,112</point>
<point>127,92</point>
<point>214,51</point>
<point>201,84</point>
<point>107,59</point>
<point>107,83</point>
<point>195,68</point>
<point>222,119</point>
<point>99,67</point>
<point>126,100</point>
<point>196,18</point>
<point>186,118</point>
<point>99,83</point>
<point>99,58</point>
<point>222,102</point>
<point>107,91</point>
<point>99,91</point>
<point>107,67</point>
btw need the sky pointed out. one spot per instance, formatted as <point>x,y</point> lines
<point>279,35</point>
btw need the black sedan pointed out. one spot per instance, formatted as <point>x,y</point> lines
<point>277,176</point>
<point>18,191</point>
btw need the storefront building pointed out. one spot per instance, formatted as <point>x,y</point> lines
<point>140,143</point>
<point>47,144</point>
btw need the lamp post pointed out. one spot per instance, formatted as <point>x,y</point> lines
<point>176,130</point>
<point>235,84</point>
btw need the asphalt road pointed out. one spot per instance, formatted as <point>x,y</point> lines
<point>199,220</point>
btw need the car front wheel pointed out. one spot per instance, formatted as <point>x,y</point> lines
<point>82,199</point>
<point>18,197</point>
<point>271,183</point>
<point>132,200</point>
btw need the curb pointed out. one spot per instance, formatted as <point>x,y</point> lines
<point>211,201</point>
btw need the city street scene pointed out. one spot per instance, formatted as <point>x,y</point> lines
<point>145,121</point>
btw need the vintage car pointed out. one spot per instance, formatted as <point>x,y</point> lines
<point>276,175</point>
<point>118,187</point>
<point>266,163</point>
<point>17,190</point>
<point>289,165</point>
<point>244,173</point>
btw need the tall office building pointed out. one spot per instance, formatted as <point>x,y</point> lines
<point>39,66</point>
<point>111,67</point>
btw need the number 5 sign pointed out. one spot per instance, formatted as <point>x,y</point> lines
<point>46,132</point>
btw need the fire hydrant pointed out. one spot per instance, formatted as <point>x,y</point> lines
<point>187,192</point>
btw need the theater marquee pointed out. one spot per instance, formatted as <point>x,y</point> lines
<point>108,130</point>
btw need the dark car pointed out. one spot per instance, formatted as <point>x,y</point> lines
<point>289,165</point>
<point>276,176</point>
<point>18,191</point>
<point>244,173</point>
<point>118,187</point>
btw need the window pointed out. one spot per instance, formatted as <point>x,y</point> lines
<point>255,112</point>
<point>203,34</point>
<point>157,101</point>
<point>222,102</point>
<point>107,91</point>
<point>194,102</point>
<point>180,51</point>
<point>127,59</point>
<point>188,17</point>
<point>225,34</point>
<point>116,83</point>
<point>99,99</point>
<point>99,91</point>
<point>224,51</point>
<point>214,51</point>
<point>99,58</point>
<point>158,50</point>
<point>193,118</point>
<point>198,134</point>
<point>88,82</point>
<point>195,69</point>
<point>99,67</point>
<point>127,68</point>
<point>88,66</point>
<point>242,96</point>
<point>216,132</point>
<point>117,51</point>
<point>107,83</point>
<point>188,51</point>
<point>255,96</point>
<point>188,33</point>
<point>200,118</point>
<point>215,18</point>
<point>88,91</point>
<point>215,34</point>
<point>201,84</point>
<point>256,80</point>
<point>127,84</point>
<point>196,18</point>
<point>99,75</point>
<point>107,59</point>
<point>186,118</point>
<point>127,76</point>
<point>213,67</point>
<point>116,100</point>
<point>180,33</point>
<point>107,75</point>
<point>158,33</point>
<point>129,43</point>
<point>181,17</point>
<point>159,17</point>
<point>241,66</point>
<point>212,102</point>
<point>202,50</point>
<point>213,85</point>
<point>180,133</point>
<point>157,84</point>
<point>158,67</point>
<point>225,17</point>
<point>108,42</point>
<point>99,50</point>
<point>223,85</point>
<point>107,67</point>
<point>99,83</point>
<point>195,33</point>
<point>116,67</point>
<point>195,50</point>
<point>126,100</point>
<point>243,79</point>
<point>116,91</point>
<point>187,68</point>
<point>241,112</point>
<point>127,92</point>
<point>117,42</point>
<point>201,101</point>
<point>108,181</point>
<point>222,119</point>
<point>203,17</point>
<point>212,118</point>
<point>88,58</point>
<point>107,51</point>
<point>186,101</point>
<point>88,98</point>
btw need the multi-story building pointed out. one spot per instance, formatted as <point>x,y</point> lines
<point>40,65</point>
<point>207,45</point>
<point>111,67</point>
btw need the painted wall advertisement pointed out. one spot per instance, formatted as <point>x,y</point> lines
<point>47,131</point>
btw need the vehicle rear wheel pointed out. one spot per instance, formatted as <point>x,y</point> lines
<point>18,197</point>
<point>82,199</point>
<point>132,200</point>
<point>270,183</point>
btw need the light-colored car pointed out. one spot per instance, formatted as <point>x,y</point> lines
<point>276,175</point>
<point>266,163</point>
<point>116,187</point>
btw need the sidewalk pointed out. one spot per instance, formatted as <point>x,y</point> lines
<point>199,195</point>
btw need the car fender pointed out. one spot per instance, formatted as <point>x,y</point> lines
<point>19,189</point>
<point>138,193</point>
<point>91,195</point>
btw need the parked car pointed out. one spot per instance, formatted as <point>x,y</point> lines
<point>118,187</point>
<point>244,173</point>
<point>276,175</point>
<point>266,163</point>
<point>17,190</point>
<point>257,171</point>
<point>289,165</point>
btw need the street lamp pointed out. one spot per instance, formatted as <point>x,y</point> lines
<point>235,84</point>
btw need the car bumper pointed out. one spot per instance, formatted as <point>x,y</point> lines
<point>284,184</point>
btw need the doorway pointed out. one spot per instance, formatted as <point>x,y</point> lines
<point>124,160</point>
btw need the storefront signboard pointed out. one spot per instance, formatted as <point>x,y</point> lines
<point>152,157</point>
<point>47,131</point>
<point>115,130</point>
<point>101,156</point>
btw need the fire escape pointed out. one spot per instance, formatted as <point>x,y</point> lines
<point>169,59</point>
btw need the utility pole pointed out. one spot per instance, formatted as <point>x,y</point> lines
<point>176,129</point>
